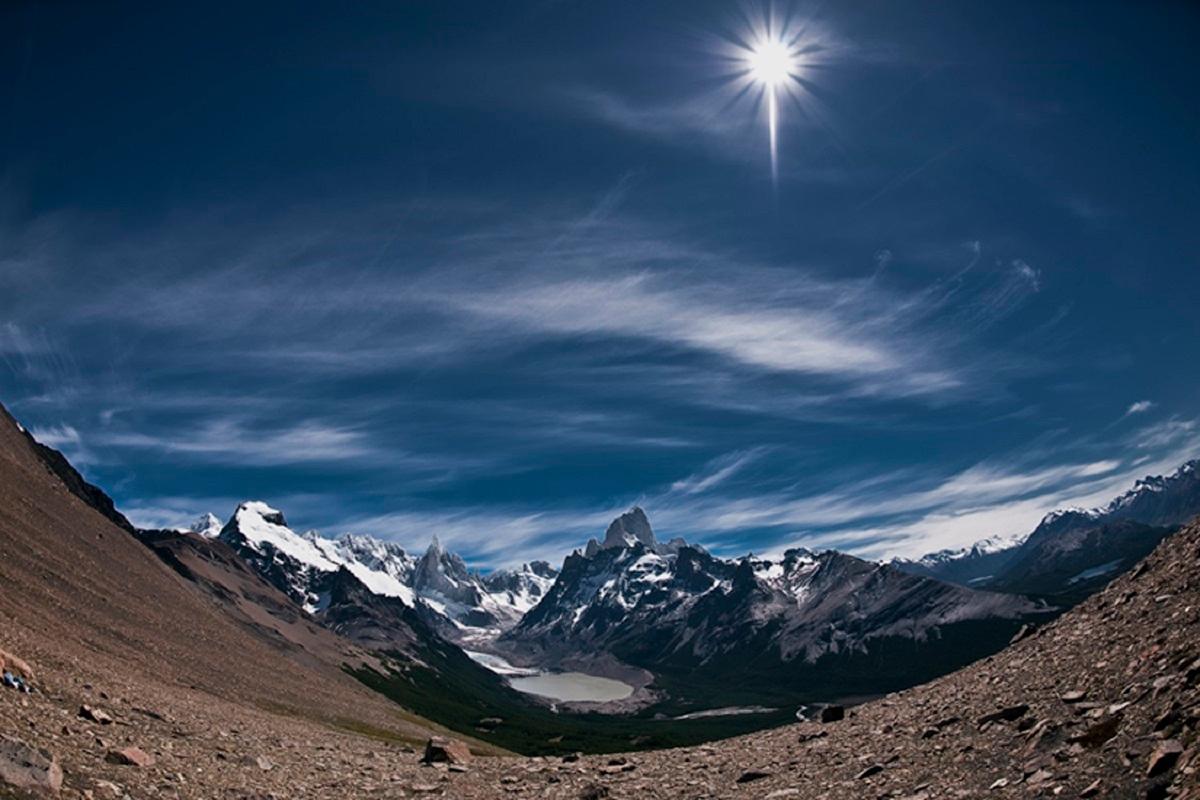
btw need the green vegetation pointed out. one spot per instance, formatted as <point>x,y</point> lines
<point>454,691</point>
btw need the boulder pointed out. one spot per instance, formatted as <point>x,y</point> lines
<point>130,757</point>
<point>1164,757</point>
<point>1009,714</point>
<point>262,762</point>
<point>97,715</point>
<point>833,713</point>
<point>443,750</point>
<point>753,775</point>
<point>1099,733</point>
<point>27,768</point>
<point>15,665</point>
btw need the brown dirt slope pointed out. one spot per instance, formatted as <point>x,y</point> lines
<point>80,596</point>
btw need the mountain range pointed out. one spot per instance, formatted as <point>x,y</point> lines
<point>807,627</point>
<point>1073,551</point>
<point>165,663</point>
<point>677,610</point>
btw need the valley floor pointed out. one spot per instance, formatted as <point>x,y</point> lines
<point>1104,702</point>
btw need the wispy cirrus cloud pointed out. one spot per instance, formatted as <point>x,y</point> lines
<point>716,473</point>
<point>512,345</point>
<point>786,328</point>
<point>232,441</point>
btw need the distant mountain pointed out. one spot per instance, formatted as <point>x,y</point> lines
<point>968,566</point>
<point>1074,551</point>
<point>208,525</point>
<point>629,529</point>
<point>676,608</point>
<point>459,603</point>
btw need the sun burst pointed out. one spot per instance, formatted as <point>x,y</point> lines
<point>771,55</point>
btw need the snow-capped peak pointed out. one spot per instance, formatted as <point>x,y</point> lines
<point>208,526</point>
<point>263,528</point>
<point>1072,511</point>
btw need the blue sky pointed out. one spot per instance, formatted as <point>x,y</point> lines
<point>497,271</point>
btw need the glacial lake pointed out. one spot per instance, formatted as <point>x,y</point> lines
<point>572,687</point>
<point>569,687</point>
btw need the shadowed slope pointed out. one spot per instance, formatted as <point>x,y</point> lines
<point>80,594</point>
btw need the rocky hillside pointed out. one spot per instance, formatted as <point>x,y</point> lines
<point>86,602</point>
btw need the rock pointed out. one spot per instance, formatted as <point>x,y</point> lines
<point>99,716</point>
<point>778,793</point>
<point>1039,777</point>
<point>28,768</point>
<point>1009,714</point>
<point>1092,790</point>
<point>753,775</point>
<point>1164,757</point>
<point>1074,696</point>
<point>874,769</point>
<point>1099,733</point>
<point>570,758</point>
<point>262,762</point>
<point>15,665</point>
<point>1169,718</point>
<point>593,791</point>
<point>130,757</point>
<point>833,713</point>
<point>108,789</point>
<point>443,750</point>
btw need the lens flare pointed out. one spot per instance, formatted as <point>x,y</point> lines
<point>771,54</point>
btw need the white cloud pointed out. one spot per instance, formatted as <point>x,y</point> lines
<point>1028,273</point>
<point>797,325</point>
<point>717,472</point>
<point>1140,407</point>
<point>232,441</point>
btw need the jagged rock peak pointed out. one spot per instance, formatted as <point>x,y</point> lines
<point>629,528</point>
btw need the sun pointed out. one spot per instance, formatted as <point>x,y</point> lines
<point>771,63</point>
<point>771,55</point>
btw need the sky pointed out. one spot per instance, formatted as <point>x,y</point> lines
<point>499,271</point>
